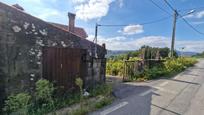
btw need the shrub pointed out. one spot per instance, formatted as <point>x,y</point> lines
<point>155,72</point>
<point>170,66</point>
<point>44,90</point>
<point>178,64</point>
<point>44,101</point>
<point>115,68</point>
<point>79,83</point>
<point>173,65</point>
<point>17,103</point>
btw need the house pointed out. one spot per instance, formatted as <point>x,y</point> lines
<point>71,27</point>
<point>31,49</point>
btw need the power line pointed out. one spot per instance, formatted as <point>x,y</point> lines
<point>145,23</point>
<point>191,26</point>
<point>160,7</point>
<point>169,5</point>
<point>195,8</point>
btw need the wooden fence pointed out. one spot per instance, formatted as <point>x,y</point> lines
<point>133,68</point>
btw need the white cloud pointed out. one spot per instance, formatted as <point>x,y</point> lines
<point>48,13</point>
<point>41,9</point>
<point>92,9</point>
<point>123,43</point>
<point>132,29</point>
<point>79,1</point>
<point>32,1</point>
<point>200,14</point>
<point>192,45</point>
<point>189,16</point>
<point>197,15</point>
<point>37,1</point>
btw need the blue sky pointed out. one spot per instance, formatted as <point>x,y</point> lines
<point>129,12</point>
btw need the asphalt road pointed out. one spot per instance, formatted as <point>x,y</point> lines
<point>181,95</point>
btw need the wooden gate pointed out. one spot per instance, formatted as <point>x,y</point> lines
<point>63,65</point>
<point>132,68</point>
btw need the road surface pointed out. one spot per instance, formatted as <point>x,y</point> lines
<point>181,95</point>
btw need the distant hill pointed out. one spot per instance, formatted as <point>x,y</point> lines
<point>117,52</point>
<point>199,55</point>
<point>180,53</point>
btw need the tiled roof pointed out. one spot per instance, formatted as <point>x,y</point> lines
<point>18,7</point>
<point>77,30</point>
<point>64,28</point>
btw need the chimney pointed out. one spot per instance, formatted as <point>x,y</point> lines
<point>18,7</point>
<point>71,17</point>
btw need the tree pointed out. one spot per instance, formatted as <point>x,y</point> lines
<point>164,52</point>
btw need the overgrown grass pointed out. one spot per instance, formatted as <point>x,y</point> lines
<point>168,68</point>
<point>104,89</point>
<point>104,102</point>
<point>82,111</point>
<point>44,101</point>
<point>103,92</point>
<point>18,103</point>
<point>93,105</point>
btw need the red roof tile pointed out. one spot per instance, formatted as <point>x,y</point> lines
<point>77,30</point>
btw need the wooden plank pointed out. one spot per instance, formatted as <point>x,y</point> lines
<point>63,65</point>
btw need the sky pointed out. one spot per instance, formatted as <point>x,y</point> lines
<point>133,14</point>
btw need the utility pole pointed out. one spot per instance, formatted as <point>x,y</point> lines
<point>96,33</point>
<point>95,39</point>
<point>173,34</point>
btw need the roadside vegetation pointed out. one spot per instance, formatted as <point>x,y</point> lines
<point>199,55</point>
<point>115,64</point>
<point>45,100</point>
<point>166,68</point>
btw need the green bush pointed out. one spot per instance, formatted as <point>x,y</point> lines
<point>170,66</point>
<point>114,67</point>
<point>173,65</point>
<point>79,83</point>
<point>18,102</point>
<point>178,64</point>
<point>155,72</point>
<point>44,90</point>
<point>43,100</point>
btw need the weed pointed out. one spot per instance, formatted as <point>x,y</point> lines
<point>104,102</point>
<point>17,103</point>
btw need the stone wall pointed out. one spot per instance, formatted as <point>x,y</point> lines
<point>22,37</point>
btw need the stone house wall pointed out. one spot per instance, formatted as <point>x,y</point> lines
<point>22,37</point>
